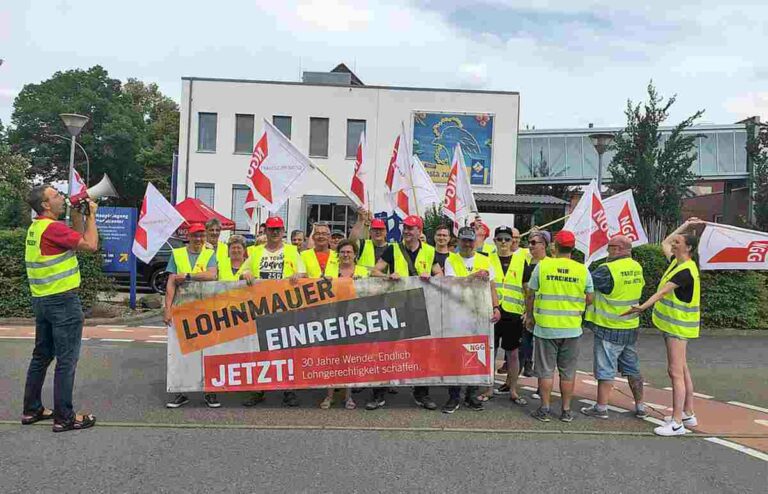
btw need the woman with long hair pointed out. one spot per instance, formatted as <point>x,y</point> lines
<point>676,313</point>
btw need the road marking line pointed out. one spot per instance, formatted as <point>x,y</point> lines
<point>6,329</point>
<point>667,389</point>
<point>117,340</point>
<point>657,406</point>
<point>702,395</point>
<point>747,405</point>
<point>120,330</point>
<point>761,422</point>
<point>622,379</point>
<point>528,388</point>
<point>165,336</point>
<point>738,447</point>
<point>609,407</point>
<point>152,327</point>
<point>582,372</point>
<point>591,383</point>
<point>84,339</point>
<point>17,337</point>
<point>155,341</point>
<point>654,420</point>
<point>111,325</point>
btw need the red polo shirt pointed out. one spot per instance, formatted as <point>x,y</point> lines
<point>58,238</point>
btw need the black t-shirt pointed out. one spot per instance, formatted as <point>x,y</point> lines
<point>528,270</point>
<point>684,282</point>
<point>505,262</point>
<point>377,251</point>
<point>440,258</point>
<point>389,257</point>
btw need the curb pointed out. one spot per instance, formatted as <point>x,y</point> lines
<point>149,314</point>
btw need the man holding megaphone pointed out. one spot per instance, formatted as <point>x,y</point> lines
<point>54,279</point>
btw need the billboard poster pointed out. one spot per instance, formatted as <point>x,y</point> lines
<point>435,135</point>
<point>319,333</point>
<point>115,226</point>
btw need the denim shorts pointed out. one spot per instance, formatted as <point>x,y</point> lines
<point>611,358</point>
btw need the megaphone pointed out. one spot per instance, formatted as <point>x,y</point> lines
<point>101,189</point>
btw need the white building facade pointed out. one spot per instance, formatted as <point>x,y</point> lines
<point>222,119</point>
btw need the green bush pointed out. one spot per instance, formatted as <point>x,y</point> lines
<point>729,299</point>
<point>15,299</point>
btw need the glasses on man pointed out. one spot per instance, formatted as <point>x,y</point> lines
<point>503,239</point>
<point>534,242</point>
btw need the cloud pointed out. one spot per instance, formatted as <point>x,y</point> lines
<point>334,15</point>
<point>473,75</point>
<point>748,105</point>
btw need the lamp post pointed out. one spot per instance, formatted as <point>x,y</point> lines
<point>74,124</point>
<point>601,143</point>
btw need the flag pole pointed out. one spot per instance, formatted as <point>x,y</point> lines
<point>409,155</point>
<point>547,224</point>
<point>354,200</point>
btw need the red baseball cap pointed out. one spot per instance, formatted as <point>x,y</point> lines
<point>195,228</point>
<point>378,223</point>
<point>414,220</point>
<point>274,222</point>
<point>565,238</point>
<point>484,227</point>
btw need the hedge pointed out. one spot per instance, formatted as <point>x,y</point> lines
<point>729,299</point>
<point>15,299</point>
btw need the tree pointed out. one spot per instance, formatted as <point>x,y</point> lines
<point>13,186</point>
<point>757,153</point>
<point>659,175</point>
<point>131,133</point>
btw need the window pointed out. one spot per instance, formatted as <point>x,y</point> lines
<point>239,193</point>
<point>524,158</point>
<point>354,129</point>
<point>283,124</point>
<point>318,137</point>
<point>244,134</point>
<point>206,132</point>
<point>725,152</point>
<point>205,192</point>
<point>338,216</point>
<point>574,160</point>
<point>557,157</point>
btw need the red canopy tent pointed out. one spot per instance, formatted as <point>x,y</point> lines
<point>196,211</point>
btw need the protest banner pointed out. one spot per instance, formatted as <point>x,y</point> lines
<point>321,333</point>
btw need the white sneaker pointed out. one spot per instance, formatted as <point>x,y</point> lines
<point>688,420</point>
<point>670,429</point>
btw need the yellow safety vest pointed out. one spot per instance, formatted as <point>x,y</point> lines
<point>312,264</point>
<point>183,266</point>
<point>290,260</point>
<point>222,257</point>
<point>424,260</point>
<point>227,275</point>
<point>560,299</point>
<point>460,270</point>
<point>368,255</point>
<point>509,285</point>
<point>332,271</point>
<point>628,283</point>
<point>48,275</point>
<point>672,315</point>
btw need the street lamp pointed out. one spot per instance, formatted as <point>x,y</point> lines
<point>74,124</point>
<point>601,143</point>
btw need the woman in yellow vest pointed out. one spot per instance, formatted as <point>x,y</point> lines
<point>345,268</point>
<point>236,260</point>
<point>676,313</point>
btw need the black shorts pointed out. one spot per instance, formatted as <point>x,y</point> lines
<point>508,332</point>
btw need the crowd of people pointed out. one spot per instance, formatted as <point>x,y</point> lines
<point>542,299</point>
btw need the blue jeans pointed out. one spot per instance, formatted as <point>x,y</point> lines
<point>58,330</point>
<point>611,358</point>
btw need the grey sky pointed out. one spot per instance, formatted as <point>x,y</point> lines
<point>573,62</point>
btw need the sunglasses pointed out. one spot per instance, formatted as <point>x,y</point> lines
<point>535,242</point>
<point>504,239</point>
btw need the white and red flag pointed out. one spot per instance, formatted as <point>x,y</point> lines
<point>158,220</point>
<point>730,247</point>
<point>459,201</point>
<point>251,206</point>
<point>623,215</point>
<point>76,183</point>
<point>275,169</point>
<point>397,182</point>
<point>591,225</point>
<point>423,189</point>
<point>358,176</point>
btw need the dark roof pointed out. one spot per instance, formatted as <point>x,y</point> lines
<point>344,69</point>
<point>519,199</point>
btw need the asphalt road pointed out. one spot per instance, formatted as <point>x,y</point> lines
<point>125,383</point>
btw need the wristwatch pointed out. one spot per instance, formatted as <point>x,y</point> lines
<point>188,277</point>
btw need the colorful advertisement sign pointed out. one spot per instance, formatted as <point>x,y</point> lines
<point>435,136</point>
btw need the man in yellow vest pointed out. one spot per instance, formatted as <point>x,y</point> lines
<point>220,249</point>
<point>410,257</point>
<point>561,288</point>
<point>275,260</point>
<point>509,263</point>
<point>618,286</point>
<point>317,258</point>
<point>370,250</point>
<point>468,263</point>
<point>195,262</point>
<point>54,277</point>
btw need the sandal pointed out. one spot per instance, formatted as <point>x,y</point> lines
<point>350,404</point>
<point>86,422</point>
<point>519,401</point>
<point>37,417</point>
<point>326,403</point>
